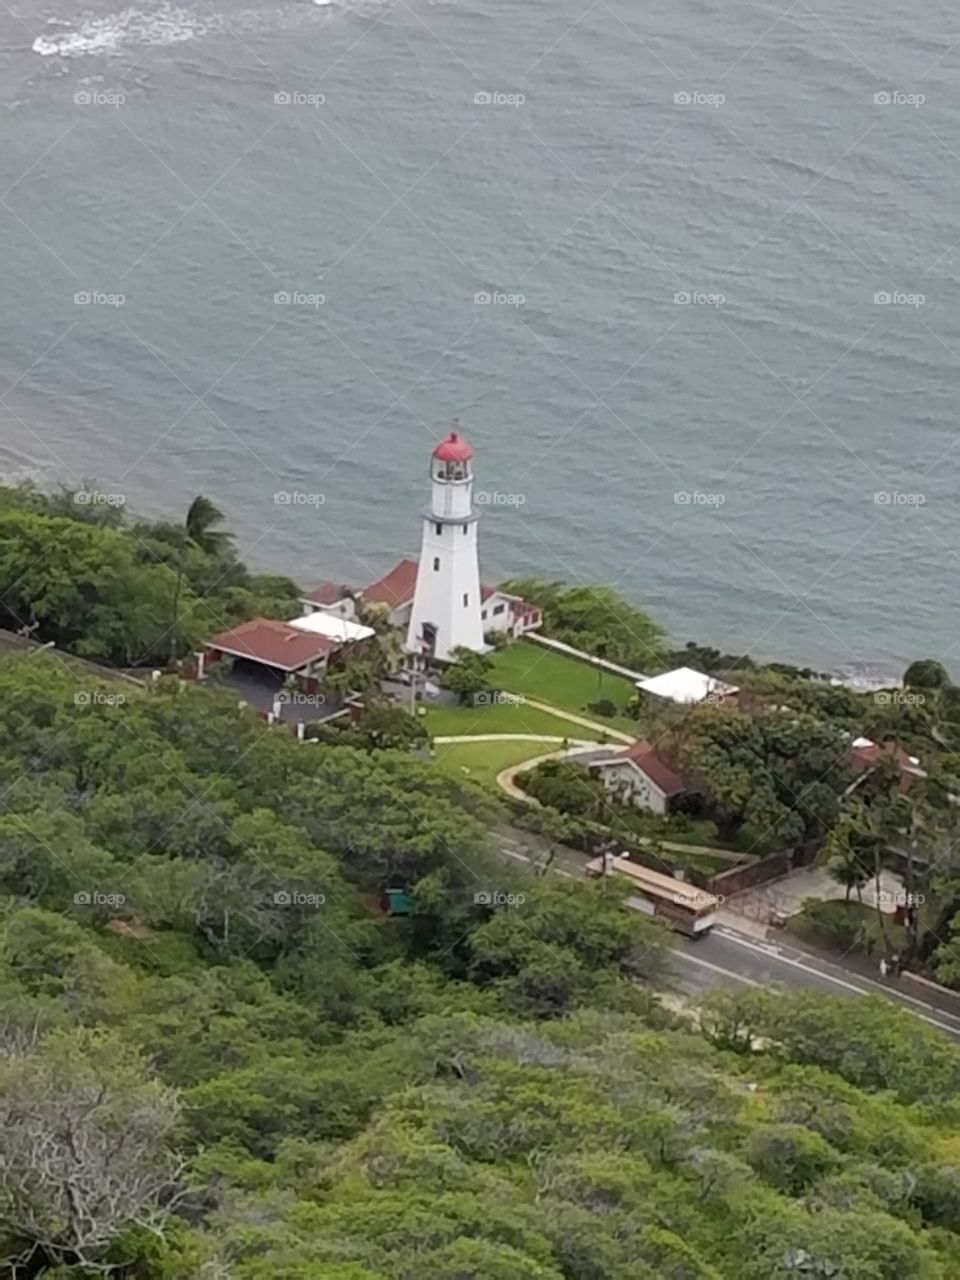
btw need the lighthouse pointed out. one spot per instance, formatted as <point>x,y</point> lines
<point>446,602</point>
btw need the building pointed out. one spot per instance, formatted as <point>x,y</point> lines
<point>865,754</point>
<point>639,776</point>
<point>685,686</point>
<point>396,590</point>
<point>330,597</point>
<point>501,611</point>
<point>271,652</point>
<point>446,603</point>
<point>280,648</point>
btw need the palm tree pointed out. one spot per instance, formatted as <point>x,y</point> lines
<point>198,531</point>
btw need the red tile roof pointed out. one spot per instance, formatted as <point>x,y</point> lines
<point>273,643</point>
<point>397,588</point>
<point>643,755</point>
<point>867,754</point>
<point>327,593</point>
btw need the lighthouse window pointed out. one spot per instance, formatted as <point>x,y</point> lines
<point>439,528</point>
<point>466,600</point>
<point>436,563</point>
<point>464,528</point>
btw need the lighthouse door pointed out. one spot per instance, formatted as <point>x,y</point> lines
<point>429,638</point>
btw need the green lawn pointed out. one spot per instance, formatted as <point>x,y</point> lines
<point>500,718</point>
<point>859,915</point>
<point>484,760</point>
<point>552,677</point>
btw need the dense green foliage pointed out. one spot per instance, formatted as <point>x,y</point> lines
<point>125,592</point>
<point>242,1068</point>
<point>596,620</point>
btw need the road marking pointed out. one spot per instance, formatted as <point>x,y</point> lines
<point>716,968</point>
<point>899,996</point>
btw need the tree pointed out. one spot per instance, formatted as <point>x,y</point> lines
<point>392,728</point>
<point>926,673</point>
<point>199,531</point>
<point>595,619</point>
<point>87,1148</point>
<point>468,676</point>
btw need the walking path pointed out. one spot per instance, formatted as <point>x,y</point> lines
<point>603,729</point>
<point>505,778</point>
<point>514,737</point>
<point>591,659</point>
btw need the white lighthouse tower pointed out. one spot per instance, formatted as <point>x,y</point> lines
<point>446,604</point>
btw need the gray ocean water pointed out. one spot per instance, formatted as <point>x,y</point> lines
<point>628,155</point>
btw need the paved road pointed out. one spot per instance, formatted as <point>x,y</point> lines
<point>728,959</point>
<point>725,958</point>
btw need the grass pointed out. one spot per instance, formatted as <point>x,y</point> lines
<point>486,759</point>
<point>500,718</point>
<point>540,673</point>
<point>858,914</point>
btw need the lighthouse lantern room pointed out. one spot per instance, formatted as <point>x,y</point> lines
<point>446,604</point>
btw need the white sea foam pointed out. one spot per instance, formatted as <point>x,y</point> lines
<point>115,32</point>
<point>166,24</point>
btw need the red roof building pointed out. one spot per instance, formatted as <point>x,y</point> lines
<point>865,754</point>
<point>327,594</point>
<point>640,775</point>
<point>396,589</point>
<point>274,644</point>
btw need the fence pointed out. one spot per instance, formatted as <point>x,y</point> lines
<point>591,659</point>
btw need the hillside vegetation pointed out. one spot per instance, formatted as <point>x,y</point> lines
<point>218,1058</point>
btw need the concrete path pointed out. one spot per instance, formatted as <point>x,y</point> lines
<point>787,895</point>
<point>596,725</point>
<point>505,778</point>
<point>513,737</point>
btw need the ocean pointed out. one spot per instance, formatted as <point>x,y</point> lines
<point>685,271</point>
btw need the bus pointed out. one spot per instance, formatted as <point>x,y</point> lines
<point>682,905</point>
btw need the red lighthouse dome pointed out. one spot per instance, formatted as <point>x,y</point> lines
<point>454,448</point>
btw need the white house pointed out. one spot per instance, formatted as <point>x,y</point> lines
<point>684,686</point>
<point>330,597</point>
<point>639,776</point>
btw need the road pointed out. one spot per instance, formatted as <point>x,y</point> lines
<point>728,959</point>
<point>725,958</point>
